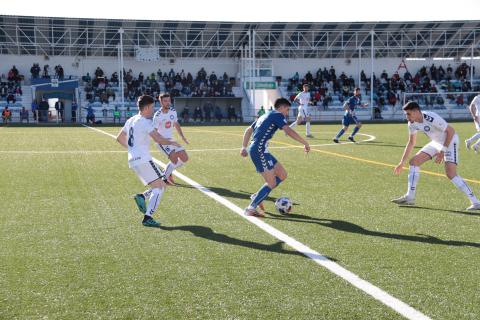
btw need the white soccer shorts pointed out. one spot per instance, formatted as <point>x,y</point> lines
<point>148,172</point>
<point>451,155</point>
<point>168,148</point>
<point>304,111</point>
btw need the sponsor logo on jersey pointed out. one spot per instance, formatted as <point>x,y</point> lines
<point>426,128</point>
<point>168,124</point>
<point>171,117</point>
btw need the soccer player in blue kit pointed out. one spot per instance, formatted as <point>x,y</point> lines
<point>271,170</point>
<point>350,116</point>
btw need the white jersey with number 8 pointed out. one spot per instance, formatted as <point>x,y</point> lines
<point>138,129</point>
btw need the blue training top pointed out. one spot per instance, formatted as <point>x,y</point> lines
<point>265,127</point>
<point>353,102</point>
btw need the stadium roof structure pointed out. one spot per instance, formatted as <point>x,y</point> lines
<point>181,39</point>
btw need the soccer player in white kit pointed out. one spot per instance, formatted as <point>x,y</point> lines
<point>164,120</point>
<point>443,146</point>
<point>303,98</point>
<point>475,111</point>
<point>135,136</point>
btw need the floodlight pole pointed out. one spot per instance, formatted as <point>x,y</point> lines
<point>254,67</point>
<point>120,76</point>
<point>359,66</point>
<point>372,54</point>
<point>471,69</point>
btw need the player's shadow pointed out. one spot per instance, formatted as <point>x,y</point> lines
<point>468,213</point>
<point>346,226</point>
<point>209,234</point>
<point>226,192</point>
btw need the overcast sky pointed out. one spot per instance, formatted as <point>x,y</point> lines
<point>250,10</point>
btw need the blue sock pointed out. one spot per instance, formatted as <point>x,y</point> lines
<point>340,133</point>
<point>278,181</point>
<point>260,195</point>
<point>354,132</point>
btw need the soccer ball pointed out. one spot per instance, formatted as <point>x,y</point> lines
<point>283,205</point>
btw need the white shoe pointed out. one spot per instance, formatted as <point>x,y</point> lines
<point>474,206</point>
<point>404,200</point>
<point>468,143</point>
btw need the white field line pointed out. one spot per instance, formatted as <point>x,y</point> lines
<point>372,290</point>
<point>370,138</point>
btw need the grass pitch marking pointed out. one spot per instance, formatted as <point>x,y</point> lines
<point>397,305</point>
<point>341,155</point>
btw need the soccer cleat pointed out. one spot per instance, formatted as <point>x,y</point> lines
<point>260,205</point>
<point>309,136</point>
<point>351,139</point>
<point>140,201</point>
<point>404,200</point>
<point>473,207</point>
<point>468,144</point>
<point>335,140</point>
<point>169,181</point>
<point>253,213</point>
<point>150,223</point>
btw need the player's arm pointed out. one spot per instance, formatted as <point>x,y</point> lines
<point>450,132</point>
<point>412,140</point>
<point>180,132</point>
<point>161,140</point>
<point>122,138</point>
<point>295,136</point>
<point>246,138</point>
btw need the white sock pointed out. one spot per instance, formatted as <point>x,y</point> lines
<point>307,125</point>
<point>154,200</point>
<point>413,176</point>
<point>476,144</point>
<point>463,186</point>
<point>475,137</point>
<point>169,169</point>
<point>294,124</point>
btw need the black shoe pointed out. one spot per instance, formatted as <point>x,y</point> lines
<point>351,139</point>
<point>335,140</point>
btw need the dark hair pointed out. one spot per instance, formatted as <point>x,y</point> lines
<point>144,101</point>
<point>281,102</point>
<point>356,89</point>
<point>411,105</point>
<point>306,85</point>
<point>163,95</point>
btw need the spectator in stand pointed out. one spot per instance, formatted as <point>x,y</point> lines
<point>197,114</point>
<point>60,107</point>
<point>116,115</point>
<point>231,114</point>
<point>35,110</point>
<point>185,115</point>
<point>43,111</point>
<point>207,111</point>
<point>59,73</point>
<point>35,71</point>
<point>11,98</point>
<point>74,111</point>
<point>45,71</point>
<point>24,115</point>
<point>218,114</point>
<point>90,114</point>
<point>6,115</point>
<point>98,73</point>
<point>260,112</point>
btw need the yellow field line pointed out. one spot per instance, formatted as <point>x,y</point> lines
<point>340,155</point>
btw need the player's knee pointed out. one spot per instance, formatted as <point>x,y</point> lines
<point>184,157</point>
<point>359,125</point>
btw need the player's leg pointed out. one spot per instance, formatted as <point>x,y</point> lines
<point>308,132</point>
<point>475,138</point>
<point>177,157</point>
<point>451,161</point>
<point>268,167</point>
<point>355,130</point>
<point>424,155</point>
<point>158,188</point>
<point>345,124</point>
<point>297,121</point>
